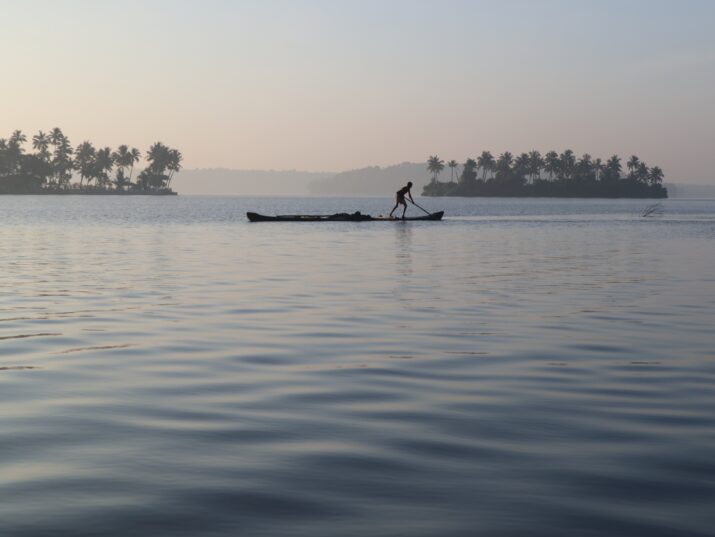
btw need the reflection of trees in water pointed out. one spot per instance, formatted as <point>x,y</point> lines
<point>403,248</point>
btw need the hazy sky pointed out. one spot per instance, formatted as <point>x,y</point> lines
<point>332,85</point>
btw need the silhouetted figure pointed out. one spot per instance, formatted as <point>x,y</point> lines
<point>400,198</point>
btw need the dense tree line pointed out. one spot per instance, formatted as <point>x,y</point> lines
<point>553,174</point>
<point>54,163</point>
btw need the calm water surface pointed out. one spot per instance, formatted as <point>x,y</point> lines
<point>526,367</point>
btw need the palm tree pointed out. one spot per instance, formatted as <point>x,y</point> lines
<point>568,162</point>
<point>468,171</point>
<point>174,164</point>
<point>613,168</point>
<point>84,161</point>
<point>486,162</point>
<point>159,157</point>
<point>18,138</point>
<point>103,163</point>
<point>536,163</point>
<point>552,164</point>
<point>56,136</point>
<point>121,158</point>
<point>135,155</point>
<point>41,143</point>
<point>584,167</point>
<point>125,158</point>
<point>503,164</point>
<point>15,150</point>
<point>642,172</point>
<point>453,169</point>
<point>521,165</point>
<point>632,164</point>
<point>62,158</point>
<point>656,176</point>
<point>435,165</point>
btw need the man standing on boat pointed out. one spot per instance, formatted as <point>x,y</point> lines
<point>400,198</point>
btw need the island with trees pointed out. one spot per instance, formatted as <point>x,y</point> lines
<point>55,167</point>
<point>553,175</point>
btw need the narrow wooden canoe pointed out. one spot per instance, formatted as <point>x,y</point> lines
<point>338,217</point>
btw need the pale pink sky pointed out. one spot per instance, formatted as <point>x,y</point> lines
<point>324,85</point>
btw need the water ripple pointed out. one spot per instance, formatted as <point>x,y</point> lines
<point>538,367</point>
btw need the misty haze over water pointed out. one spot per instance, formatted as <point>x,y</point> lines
<point>367,181</point>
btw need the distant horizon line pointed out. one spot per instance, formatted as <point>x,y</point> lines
<point>686,182</point>
<point>297,170</point>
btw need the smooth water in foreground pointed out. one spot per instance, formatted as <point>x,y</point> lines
<point>525,367</point>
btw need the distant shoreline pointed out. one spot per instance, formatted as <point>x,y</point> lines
<point>101,172</point>
<point>655,194</point>
<point>559,176</point>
